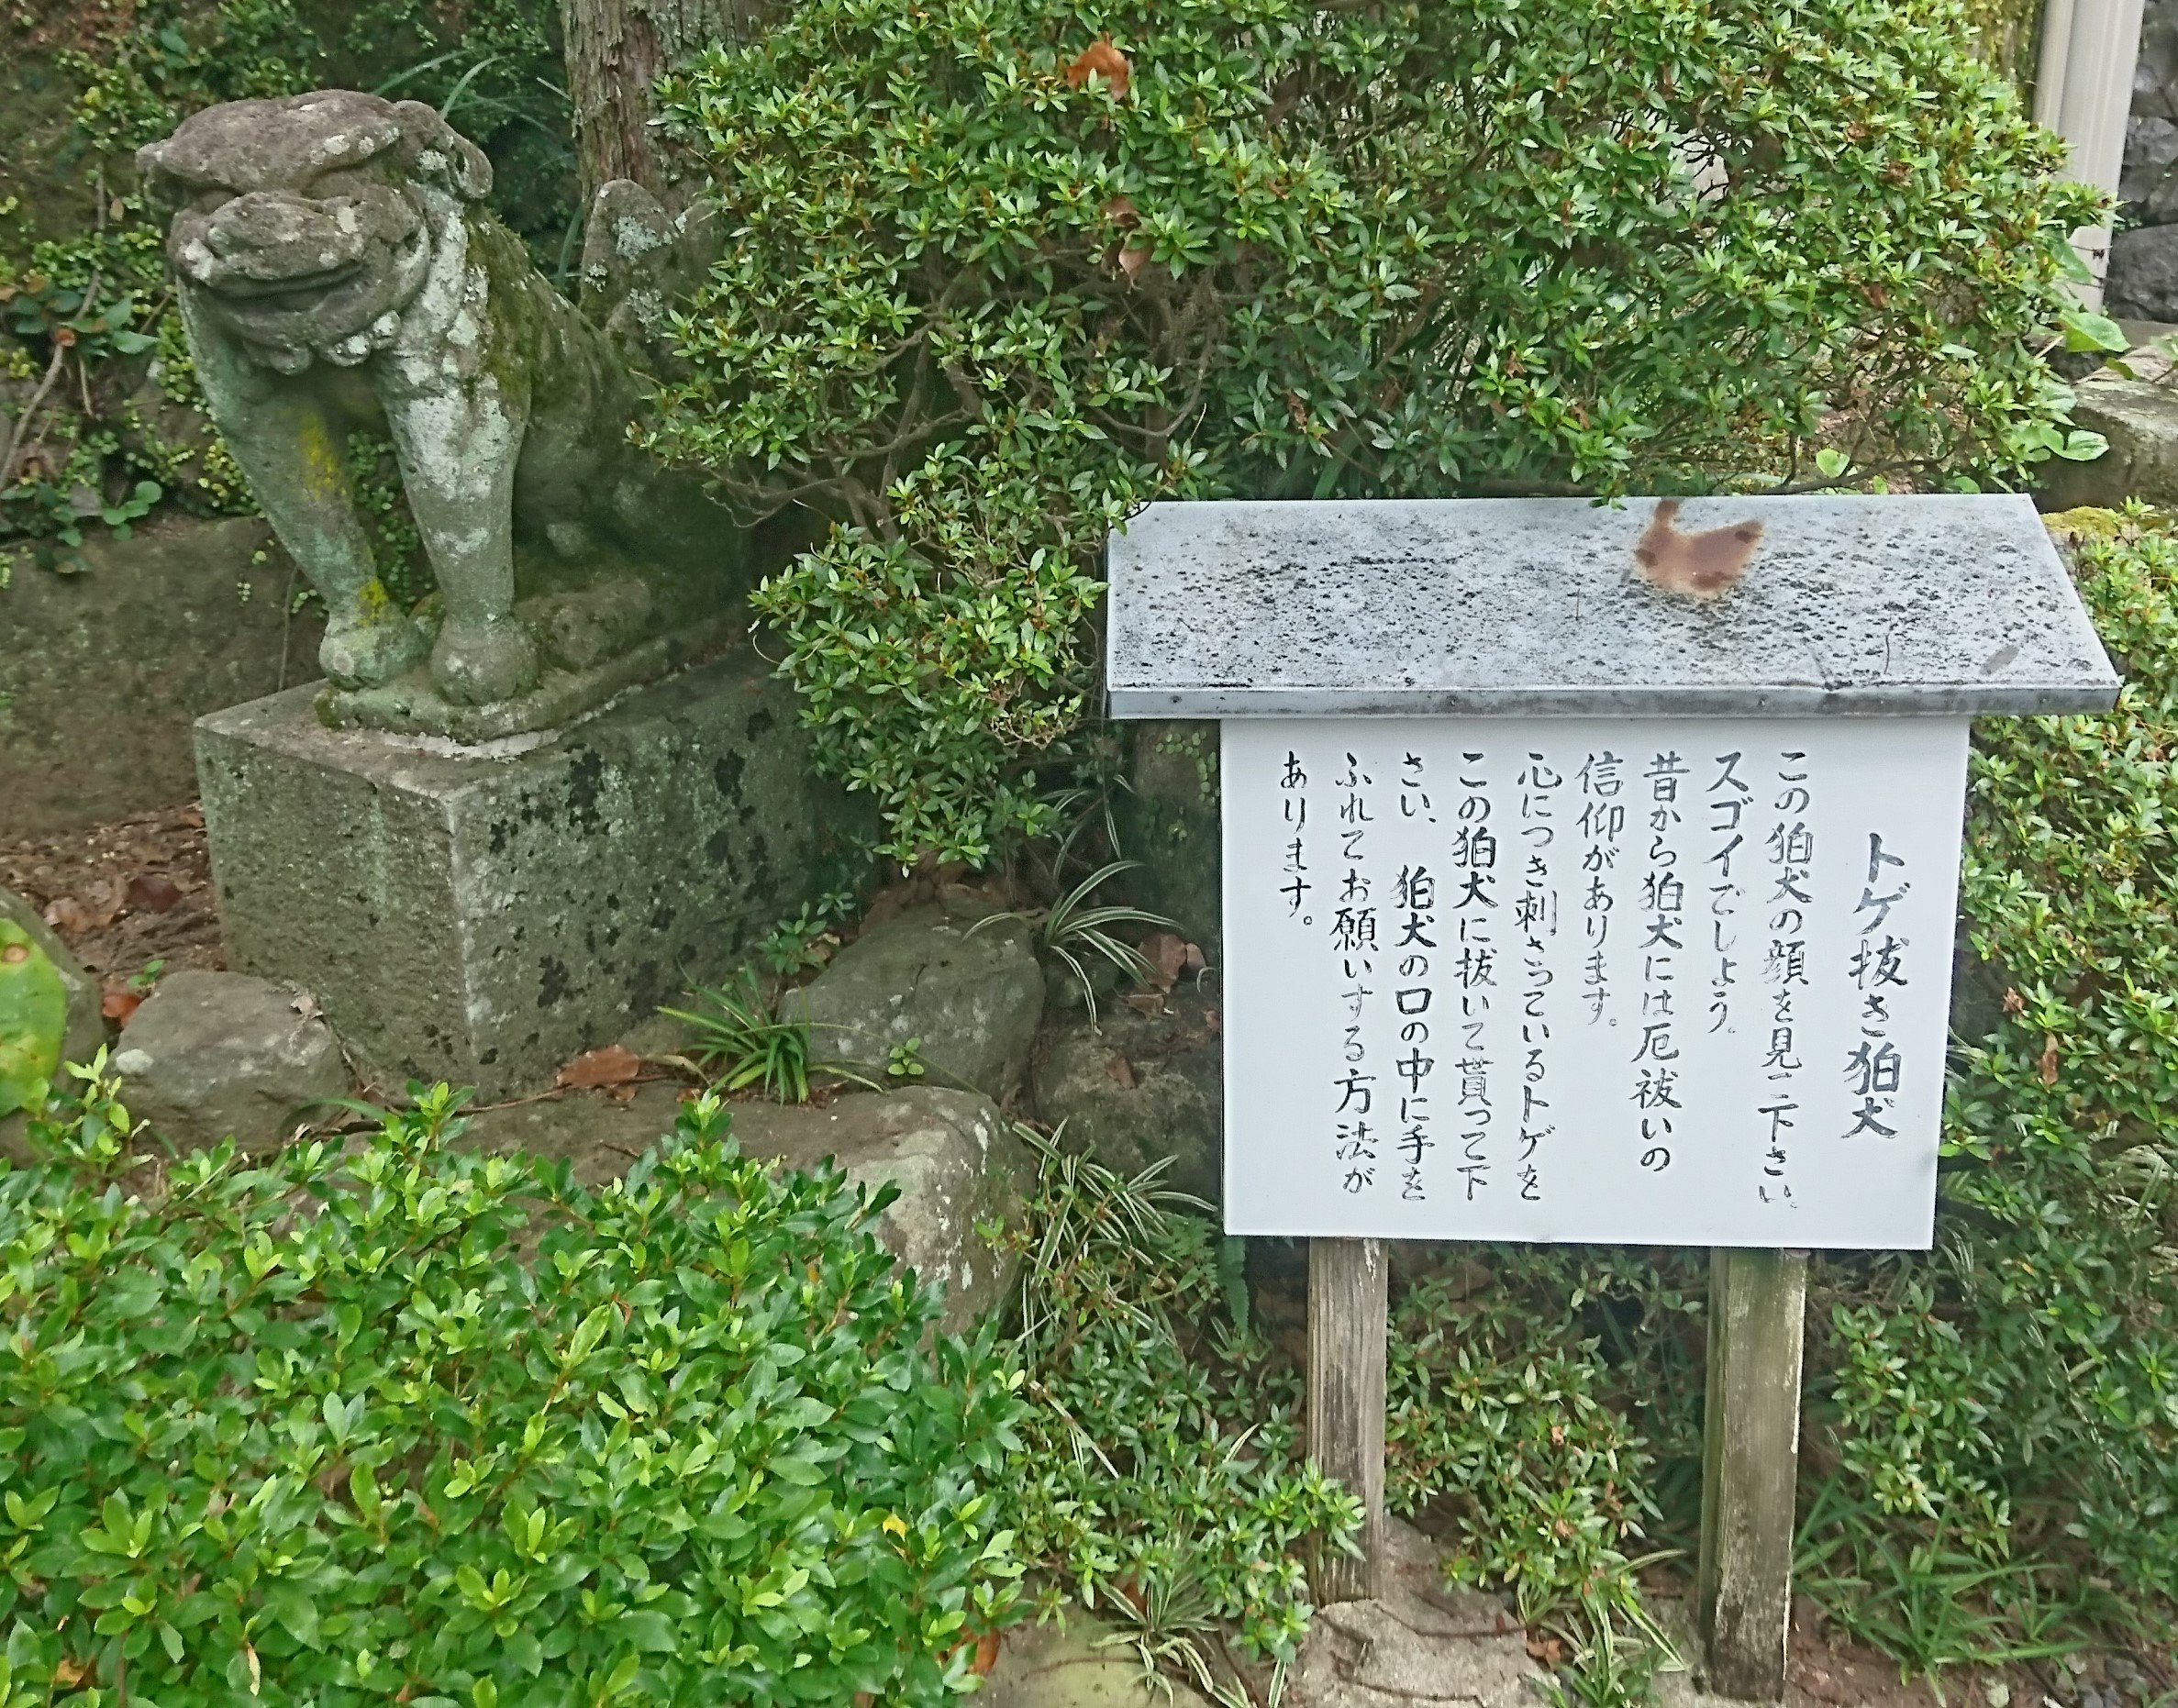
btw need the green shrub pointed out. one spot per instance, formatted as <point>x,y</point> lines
<point>410,1425</point>
<point>1163,1485</point>
<point>2006,1407</point>
<point>997,272</point>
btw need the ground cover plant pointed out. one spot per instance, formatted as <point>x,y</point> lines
<point>407,1423</point>
<point>1000,271</point>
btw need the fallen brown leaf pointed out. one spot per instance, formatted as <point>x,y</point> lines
<point>1121,1069</point>
<point>1547,1649</point>
<point>1121,211</point>
<point>67,915</point>
<point>1101,59</point>
<point>986,1654</point>
<point>1133,259</point>
<point>119,1004</point>
<point>2048,1065</point>
<point>1168,956</point>
<point>1150,1003</point>
<point>152,892</point>
<point>2014,1003</point>
<point>614,1064</point>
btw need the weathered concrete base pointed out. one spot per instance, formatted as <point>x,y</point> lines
<point>481,917</point>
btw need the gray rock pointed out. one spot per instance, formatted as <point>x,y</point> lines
<point>1141,1088</point>
<point>953,1155</point>
<point>1420,1643</point>
<point>1045,1667</point>
<point>87,1028</point>
<point>973,996</point>
<point>950,1153</point>
<point>2139,417</point>
<point>211,1054</point>
<point>2150,145</point>
<point>2143,278</point>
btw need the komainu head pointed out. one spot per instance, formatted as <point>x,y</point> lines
<point>306,225</point>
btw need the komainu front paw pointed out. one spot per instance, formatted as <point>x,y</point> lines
<point>475,664</point>
<point>364,651</point>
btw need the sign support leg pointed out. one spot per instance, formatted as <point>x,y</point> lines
<point>1347,1320</point>
<point>1750,1442</point>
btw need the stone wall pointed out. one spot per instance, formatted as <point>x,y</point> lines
<point>2143,281</point>
<point>103,672</point>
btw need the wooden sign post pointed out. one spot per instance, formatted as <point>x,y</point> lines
<point>1590,875</point>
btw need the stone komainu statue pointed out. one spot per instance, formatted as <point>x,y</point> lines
<point>337,272</point>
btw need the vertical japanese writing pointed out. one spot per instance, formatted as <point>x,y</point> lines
<point>1603,822</point>
<point>1728,798</point>
<point>1536,915</point>
<point>1354,944</point>
<point>1416,995</point>
<point>1791,855</point>
<point>1293,796</point>
<point>1474,868</point>
<point>1872,1066</point>
<point>1655,1093</point>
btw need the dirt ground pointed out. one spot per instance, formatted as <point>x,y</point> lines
<point>124,896</point>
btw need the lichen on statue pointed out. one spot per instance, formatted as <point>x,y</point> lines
<point>336,271</point>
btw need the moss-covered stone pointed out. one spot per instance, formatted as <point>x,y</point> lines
<point>481,916</point>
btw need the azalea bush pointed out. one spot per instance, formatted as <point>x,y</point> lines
<point>2005,1408</point>
<point>997,271</point>
<point>404,1424</point>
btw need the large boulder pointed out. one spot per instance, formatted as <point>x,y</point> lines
<point>1134,1087</point>
<point>962,983</point>
<point>957,1164</point>
<point>2139,417</point>
<point>214,1054</point>
<point>951,1154</point>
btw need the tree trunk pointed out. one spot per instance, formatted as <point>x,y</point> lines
<point>616,50</point>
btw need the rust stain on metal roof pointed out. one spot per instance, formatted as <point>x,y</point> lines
<point>1703,565</point>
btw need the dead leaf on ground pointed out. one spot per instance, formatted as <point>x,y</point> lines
<point>1168,956</point>
<point>2014,1003</point>
<point>67,915</point>
<point>119,1004</point>
<point>1121,1070</point>
<point>152,892</point>
<point>1101,59</point>
<point>614,1064</point>
<point>1214,1021</point>
<point>2049,1062</point>
<point>1121,211</point>
<point>986,1654</point>
<point>1133,259</point>
<point>1545,1648</point>
<point>1146,1002</point>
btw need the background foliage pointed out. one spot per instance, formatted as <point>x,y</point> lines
<point>419,1425</point>
<point>100,417</point>
<point>1001,270</point>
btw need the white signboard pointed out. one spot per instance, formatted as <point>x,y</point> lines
<point>1677,981</point>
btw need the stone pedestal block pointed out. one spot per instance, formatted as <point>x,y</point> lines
<point>481,916</point>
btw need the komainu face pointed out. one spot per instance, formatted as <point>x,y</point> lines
<point>304,226</point>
